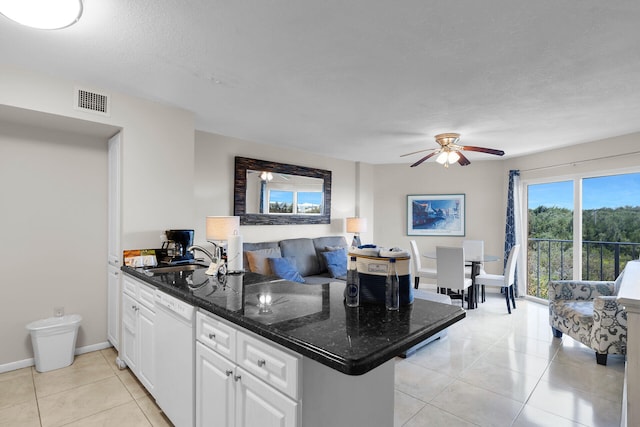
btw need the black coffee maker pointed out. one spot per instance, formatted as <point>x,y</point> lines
<point>178,241</point>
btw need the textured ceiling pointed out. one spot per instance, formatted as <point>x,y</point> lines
<point>362,80</point>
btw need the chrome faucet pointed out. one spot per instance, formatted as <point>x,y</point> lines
<point>193,249</point>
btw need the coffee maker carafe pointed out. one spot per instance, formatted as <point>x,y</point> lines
<point>179,241</point>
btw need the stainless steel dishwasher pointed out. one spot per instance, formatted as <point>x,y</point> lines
<point>174,345</point>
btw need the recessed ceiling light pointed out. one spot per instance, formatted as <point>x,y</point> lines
<point>42,14</point>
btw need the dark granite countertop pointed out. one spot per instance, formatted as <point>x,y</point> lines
<point>311,320</point>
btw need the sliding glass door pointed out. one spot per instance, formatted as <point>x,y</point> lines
<point>550,234</point>
<point>610,224</point>
<point>584,228</point>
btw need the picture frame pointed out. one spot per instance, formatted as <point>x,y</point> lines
<point>436,215</point>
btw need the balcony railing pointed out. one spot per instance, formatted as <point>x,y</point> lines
<point>552,259</point>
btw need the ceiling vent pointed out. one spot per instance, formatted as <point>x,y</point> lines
<point>86,100</point>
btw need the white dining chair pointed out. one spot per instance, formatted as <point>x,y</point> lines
<point>505,280</point>
<point>450,271</point>
<point>418,270</point>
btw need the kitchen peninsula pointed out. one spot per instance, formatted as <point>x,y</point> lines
<point>343,358</point>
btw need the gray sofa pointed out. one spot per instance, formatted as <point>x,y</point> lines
<point>306,253</point>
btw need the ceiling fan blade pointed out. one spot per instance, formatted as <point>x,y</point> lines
<point>483,150</point>
<point>463,161</point>
<point>425,158</point>
<point>416,152</point>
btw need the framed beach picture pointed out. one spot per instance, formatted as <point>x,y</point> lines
<point>435,215</point>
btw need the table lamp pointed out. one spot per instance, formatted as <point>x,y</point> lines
<point>356,225</point>
<point>221,229</point>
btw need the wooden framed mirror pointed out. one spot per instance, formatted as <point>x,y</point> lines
<point>271,193</point>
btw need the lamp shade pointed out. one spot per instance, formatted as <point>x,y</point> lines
<point>442,157</point>
<point>222,227</point>
<point>356,225</point>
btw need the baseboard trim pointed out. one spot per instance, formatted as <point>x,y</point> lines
<point>12,366</point>
<point>93,347</point>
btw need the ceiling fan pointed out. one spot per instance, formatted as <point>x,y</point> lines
<point>450,152</point>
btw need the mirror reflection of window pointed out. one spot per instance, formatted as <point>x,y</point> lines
<point>279,193</point>
<point>280,202</point>
<point>309,202</point>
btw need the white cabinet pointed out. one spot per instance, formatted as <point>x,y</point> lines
<point>215,388</point>
<point>228,394</point>
<point>114,253</point>
<point>146,337</point>
<point>138,332</point>
<point>129,348</point>
<point>114,195</point>
<point>113,305</point>
<point>259,405</point>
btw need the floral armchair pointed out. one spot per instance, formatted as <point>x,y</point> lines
<point>587,311</point>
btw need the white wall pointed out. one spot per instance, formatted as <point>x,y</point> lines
<point>157,150</point>
<point>157,193</point>
<point>53,188</point>
<point>621,153</point>
<point>214,172</point>
<point>485,184</point>
<point>482,182</point>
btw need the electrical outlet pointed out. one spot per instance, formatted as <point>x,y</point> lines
<point>58,311</point>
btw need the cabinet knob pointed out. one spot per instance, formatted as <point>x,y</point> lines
<point>261,362</point>
<point>237,377</point>
<point>228,373</point>
<point>212,336</point>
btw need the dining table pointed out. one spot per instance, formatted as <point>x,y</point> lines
<point>476,263</point>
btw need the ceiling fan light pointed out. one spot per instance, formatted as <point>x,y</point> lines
<point>453,157</point>
<point>42,14</point>
<point>442,157</point>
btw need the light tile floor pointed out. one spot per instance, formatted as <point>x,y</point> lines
<point>90,392</point>
<point>492,369</point>
<point>496,369</point>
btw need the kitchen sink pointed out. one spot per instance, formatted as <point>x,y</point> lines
<point>175,268</point>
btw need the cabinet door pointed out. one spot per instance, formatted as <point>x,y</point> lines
<point>146,345</point>
<point>215,396</point>
<point>113,306</point>
<point>114,252</point>
<point>129,331</point>
<point>259,405</point>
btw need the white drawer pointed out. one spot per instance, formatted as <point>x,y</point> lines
<point>216,334</point>
<point>139,291</point>
<point>130,286</point>
<point>276,366</point>
<point>146,295</point>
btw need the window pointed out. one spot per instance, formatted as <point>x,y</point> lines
<point>550,235</point>
<point>610,224</point>
<point>586,228</point>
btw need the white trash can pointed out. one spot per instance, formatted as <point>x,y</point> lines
<point>54,341</point>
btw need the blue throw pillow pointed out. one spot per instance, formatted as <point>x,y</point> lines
<point>285,268</point>
<point>336,262</point>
